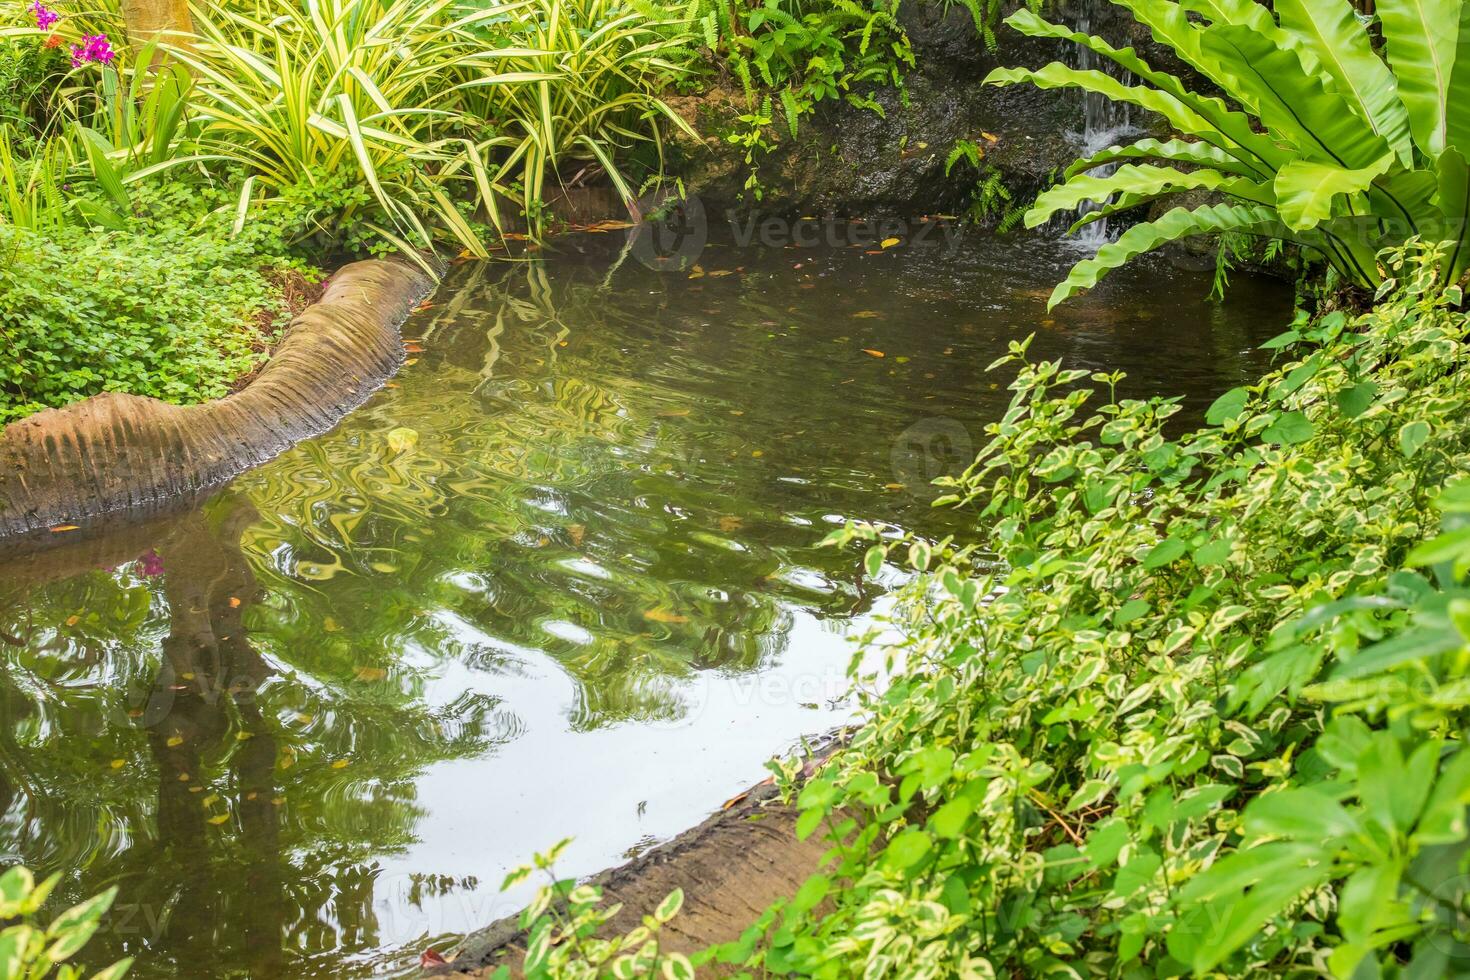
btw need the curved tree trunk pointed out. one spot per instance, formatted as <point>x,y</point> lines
<point>116,452</point>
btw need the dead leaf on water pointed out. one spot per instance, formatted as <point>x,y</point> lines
<point>63,527</point>
<point>664,616</point>
<point>119,763</point>
<point>730,523</point>
<point>219,819</point>
<point>867,315</point>
<point>370,674</point>
<point>234,602</point>
<point>889,242</point>
<point>73,620</point>
<point>176,741</point>
<point>873,353</point>
<point>697,272</point>
<point>402,439</point>
<point>576,532</point>
<point>340,764</point>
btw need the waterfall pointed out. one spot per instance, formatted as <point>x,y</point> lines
<point>1104,122</point>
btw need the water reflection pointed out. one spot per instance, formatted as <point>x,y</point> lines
<point>561,578</point>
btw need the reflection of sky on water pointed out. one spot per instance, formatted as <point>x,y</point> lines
<point>560,579</point>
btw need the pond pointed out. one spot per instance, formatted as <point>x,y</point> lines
<point>558,579</point>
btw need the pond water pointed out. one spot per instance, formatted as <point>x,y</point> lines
<point>559,579</point>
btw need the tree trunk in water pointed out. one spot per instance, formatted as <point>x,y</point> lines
<point>116,452</point>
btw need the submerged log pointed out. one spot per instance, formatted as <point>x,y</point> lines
<point>116,452</point>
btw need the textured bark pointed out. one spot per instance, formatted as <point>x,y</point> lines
<point>146,19</point>
<point>117,452</point>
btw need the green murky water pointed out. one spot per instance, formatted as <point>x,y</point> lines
<point>558,580</point>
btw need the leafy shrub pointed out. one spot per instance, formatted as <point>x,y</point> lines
<point>1182,707</point>
<point>1338,145</point>
<point>176,311</point>
<point>29,950</point>
<point>808,53</point>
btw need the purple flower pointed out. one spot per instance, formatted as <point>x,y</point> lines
<point>45,16</point>
<point>94,47</point>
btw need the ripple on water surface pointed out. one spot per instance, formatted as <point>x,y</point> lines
<point>559,579</point>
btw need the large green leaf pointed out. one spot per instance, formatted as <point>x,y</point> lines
<point>1176,151</point>
<point>1245,144</point>
<point>1176,224</point>
<point>1135,180</point>
<point>1293,104</point>
<point>1058,75</point>
<point>1421,37</point>
<point>1457,104</point>
<point>1452,195</point>
<point>1306,191</point>
<point>1331,31</point>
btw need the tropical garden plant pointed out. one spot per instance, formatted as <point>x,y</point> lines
<point>1341,134</point>
<point>1188,702</point>
<point>30,950</point>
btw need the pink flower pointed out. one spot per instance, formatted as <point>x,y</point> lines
<point>150,565</point>
<point>94,47</point>
<point>45,16</point>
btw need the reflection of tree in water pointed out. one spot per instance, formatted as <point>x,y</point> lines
<point>232,789</point>
<point>556,500</point>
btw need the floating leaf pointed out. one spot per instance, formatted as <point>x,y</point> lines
<point>371,673</point>
<point>664,616</point>
<point>402,439</point>
<point>873,353</point>
<point>889,242</point>
<point>341,764</point>
<point>219,819</point>
<point>867,315</point>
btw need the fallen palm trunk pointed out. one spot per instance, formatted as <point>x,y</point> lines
<point>117,452</point>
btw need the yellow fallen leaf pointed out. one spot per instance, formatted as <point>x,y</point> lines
<point>371,673</point>
<point>244,736</point>
<point>402,439</point>
<point>183,777</point>
<point>340,764</point>
<point>383,567</point>
<point>758,453</point>
<point>211,798</point>
<point>219,819</point>
<point>187,675</point>
<point>893,486</point>
<point>251,795</point>
<point>576,532</point>
<point>331,625</point>
<point>721,272</point>
<point>234,602</point>
<point>866,315</point>
<point>73,620</point>
<point>277,800</point>
<point>175,741</point>
<point>730,523</point>
<point>697,272</point>
<point>991,137</point>
<point>119,763</point>
<point>664,616</point>
<point>889,242</point>
<point>303,717</point>
<point>873,353</point>
<point>63,527</point>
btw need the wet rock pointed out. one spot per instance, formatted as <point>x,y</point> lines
<point>856,161</point>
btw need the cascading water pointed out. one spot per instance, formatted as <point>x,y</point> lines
<point>1104,122</point>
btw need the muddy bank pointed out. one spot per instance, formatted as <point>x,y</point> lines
<point>731,867</point>
<point>116,453</point>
